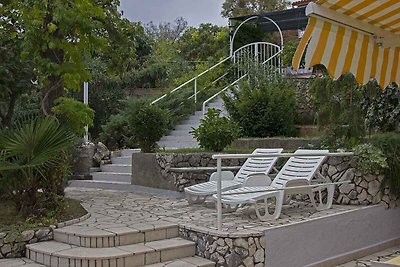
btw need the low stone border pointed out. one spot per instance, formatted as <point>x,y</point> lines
<point>12,245</point>
<point>228,250</point>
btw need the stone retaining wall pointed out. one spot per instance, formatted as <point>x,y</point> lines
<point>228,251</point>
<point>364,189</point>
<point>179,160</point>
<point>12,245</point>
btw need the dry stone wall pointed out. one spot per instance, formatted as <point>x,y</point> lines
<point>363,189</point>
<point>181,180</point>
<point>228,251</point>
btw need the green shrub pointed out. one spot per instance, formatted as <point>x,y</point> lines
<point>389,143</point>
<point>264,106</point>
<point>75,114</point>
<point>116,133</point>
<point>32,158</point>
<point>147,122</point>
<point>338,107</point>
<point>370,159</point>
<point>216,133</point>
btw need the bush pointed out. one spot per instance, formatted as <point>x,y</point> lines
<point>389,143</point>
<point>264,106</point>
<point>75,114</point>
<point>338,107</point>
<point>116,133</point>
<point>33,158</point>
<point>147,122</point>
<point>216,133</point>
<point>369,159</point>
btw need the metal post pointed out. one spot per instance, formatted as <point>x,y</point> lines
<point>195,90</point>
<point>86,101</point>
<point>219,185</point>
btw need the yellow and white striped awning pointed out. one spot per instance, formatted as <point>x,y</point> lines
<point>357,36</point>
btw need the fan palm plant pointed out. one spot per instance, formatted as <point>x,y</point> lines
<point>27,153</point>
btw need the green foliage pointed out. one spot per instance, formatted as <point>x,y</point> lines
<point>338,107</point>
<point>369,159</point>
<point>216,133</point>
<point>389,143</point>
<point>75,114</point>
<point>288,52</point>
<point>148,123</point>
<point>264,106</point>
<point>235,8</point>
<point>382,107</point>
<point>116,133</point>
<point>31,158</point>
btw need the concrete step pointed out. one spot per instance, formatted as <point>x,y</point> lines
<point>186,127</point>
<point>122,160</point>
<point>19,262</point>
<point>112,177</point>
<point>105,237</point>
<point>185,262</point>
<point>188,138</point>
<point>57,254</point>
<point>181,133</point>
<point>129,152</point>
<point>119,168</point>
<point>173,144</point>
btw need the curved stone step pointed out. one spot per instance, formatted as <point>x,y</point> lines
<point>56,254</point>
<point>185,262</point>
<point>118,168</point>
<point>122,160</point>
<point>104,237</point>
<point>112,177</point>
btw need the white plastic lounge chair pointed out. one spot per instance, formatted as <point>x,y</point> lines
<point>257,167</point>
<point>298,171</point>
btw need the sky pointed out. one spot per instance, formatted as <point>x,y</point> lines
<point>194,11</point>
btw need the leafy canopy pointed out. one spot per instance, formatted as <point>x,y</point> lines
<point>235,8</point>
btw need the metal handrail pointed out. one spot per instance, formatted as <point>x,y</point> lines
<point>219,158</point>
<point>245,75</point>
<point>193,79</point>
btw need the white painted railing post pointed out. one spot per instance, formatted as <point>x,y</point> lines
<point>219,186</point>
<point>195,90</point>
<point>86,101</point>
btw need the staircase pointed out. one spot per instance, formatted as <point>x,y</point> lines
<point>261,53</point>
<point>181,137</point>
<point>120,171</point>
<point>156,244</point>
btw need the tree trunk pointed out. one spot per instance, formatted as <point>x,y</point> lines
<point>54,90</point>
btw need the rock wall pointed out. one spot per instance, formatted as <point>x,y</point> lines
<point>364,189</point>
<point>12,245</point>
<point>228,251</point>
<point>180,160</point>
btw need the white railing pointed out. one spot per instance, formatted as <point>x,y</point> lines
<point>219,158</point>
<point>263,53</point>
<point>194,79</point>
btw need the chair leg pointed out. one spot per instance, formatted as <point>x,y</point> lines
<point>266,215</point>
<point>329,198</point>
<point>192,199</point>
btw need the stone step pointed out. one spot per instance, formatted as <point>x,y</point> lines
<point>112,177</point>
<point>119,168</point>
<point>175,144</point>
<point>122,160</point>
<point>19,262</point>
<point>189,138</point>
<point>57,254</point>
<point>186,127</point>
<point>105,236</point>
<point>180,133</point>
<point>185,262</point>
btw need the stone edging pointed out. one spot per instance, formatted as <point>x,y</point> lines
<point>13,246</point>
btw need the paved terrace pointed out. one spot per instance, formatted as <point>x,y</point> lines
<point>122,209</point>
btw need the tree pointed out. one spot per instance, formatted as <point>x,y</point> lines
<point>16,73</point>
<point>235,8</point>
<point>167,31</point>
<point>61,36</point>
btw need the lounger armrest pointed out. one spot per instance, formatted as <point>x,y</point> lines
<point>258,179</point>
<point>225,176</point>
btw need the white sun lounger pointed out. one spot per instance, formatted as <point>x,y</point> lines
<point>298,173</point>
<point>257,168</point>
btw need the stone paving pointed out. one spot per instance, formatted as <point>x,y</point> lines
<point>121,209</point>
<point>381,256</point>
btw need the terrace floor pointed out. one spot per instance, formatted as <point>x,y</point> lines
<point>119,208</point>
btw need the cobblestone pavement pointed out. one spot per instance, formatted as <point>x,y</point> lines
<point>119,209</point>
<point>381,256</point>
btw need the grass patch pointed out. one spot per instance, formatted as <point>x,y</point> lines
<point>11,220</point>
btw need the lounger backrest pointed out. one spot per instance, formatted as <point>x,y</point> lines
<point>257,165</point>
<point>303,167</point>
